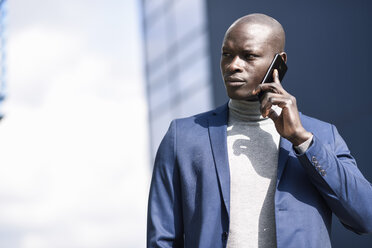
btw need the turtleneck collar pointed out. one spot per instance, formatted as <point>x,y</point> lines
<point>248,110</point>
<point>245,110</point>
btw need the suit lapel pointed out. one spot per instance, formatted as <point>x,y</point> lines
<point>217,125</point>
<point>284,149</point>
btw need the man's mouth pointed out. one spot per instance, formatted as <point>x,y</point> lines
<point>234,81</point>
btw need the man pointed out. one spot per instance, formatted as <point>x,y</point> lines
<point>254,173</point>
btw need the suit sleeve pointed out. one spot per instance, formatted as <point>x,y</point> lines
<point>334,173</point>
<point>164,217</point>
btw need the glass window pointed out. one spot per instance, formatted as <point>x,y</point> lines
<point>156,40</point>
<point>157,71</point>
<point>159,127</point>
<point>178,63</point>
<point>195,73</point>
<point>153,6</point>
<point>2,50</point>
<point>189,15</point>
<point>191,50</point>
<point>197,101</point>
<point>159,96</point>
<point>170,16</point>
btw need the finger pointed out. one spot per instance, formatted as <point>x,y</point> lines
<point>283,101</point>
<point>257,90</point>
<point>269,100</point>
<point>266,103</point>
<point>272,99</point>
<point>276,76</point>
<point>268,87</point>
<point>275,87</point>
<point>273,115</point>
<point>265,110</point>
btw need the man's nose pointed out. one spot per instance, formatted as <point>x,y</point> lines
<point>236,64</point>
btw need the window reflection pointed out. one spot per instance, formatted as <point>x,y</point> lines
<point>177,62</point>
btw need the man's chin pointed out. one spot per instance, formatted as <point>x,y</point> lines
<point>247,96</point>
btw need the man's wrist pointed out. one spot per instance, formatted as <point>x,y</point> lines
<point>303,147</point>
<point>300,137</point>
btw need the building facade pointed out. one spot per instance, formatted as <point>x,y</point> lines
<point>177,62</point>
<point>2,53</point>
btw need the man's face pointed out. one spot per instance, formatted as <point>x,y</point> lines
<point>247,52</point>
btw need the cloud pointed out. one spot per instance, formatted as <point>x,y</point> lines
<point>74,169</point>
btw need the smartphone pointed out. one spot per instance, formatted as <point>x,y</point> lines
<point>277,63</point>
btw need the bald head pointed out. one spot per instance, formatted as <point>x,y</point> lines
<point>264,23</point>
<point>248,48</point>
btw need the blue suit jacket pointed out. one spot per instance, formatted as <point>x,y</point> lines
<point>189,199</point>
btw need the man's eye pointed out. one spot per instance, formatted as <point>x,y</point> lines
<point>250,56</point>
<point>225,54</point>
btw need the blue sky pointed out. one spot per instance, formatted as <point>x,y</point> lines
<point>75,164</point>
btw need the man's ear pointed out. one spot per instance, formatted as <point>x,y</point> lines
<point>284,56</point>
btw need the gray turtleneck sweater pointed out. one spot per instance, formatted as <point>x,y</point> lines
<point>252,144</point>
<point>253,147</point>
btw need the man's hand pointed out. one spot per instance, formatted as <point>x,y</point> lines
<point>288,123</point>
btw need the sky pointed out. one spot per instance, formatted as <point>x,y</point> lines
<point>74,151</point>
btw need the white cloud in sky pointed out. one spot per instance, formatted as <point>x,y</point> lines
<point>74,170</point>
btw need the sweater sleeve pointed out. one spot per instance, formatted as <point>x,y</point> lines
<point>302,148</point>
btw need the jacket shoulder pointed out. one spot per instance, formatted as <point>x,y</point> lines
<point>316,126</point>
<point>308,119</point>
<point>200,119</point>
